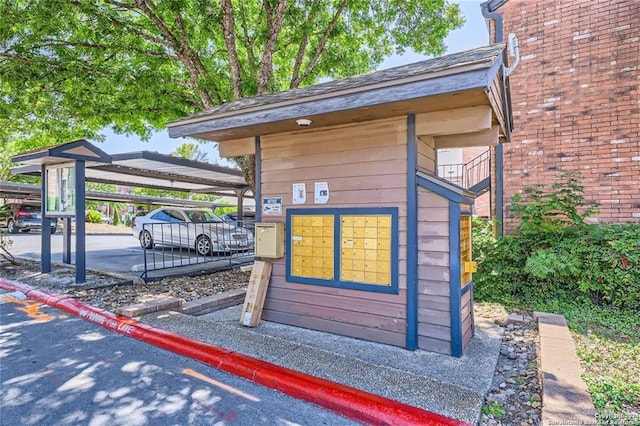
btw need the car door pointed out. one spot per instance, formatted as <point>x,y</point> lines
<point>160,226</point>
<point>181,233</point>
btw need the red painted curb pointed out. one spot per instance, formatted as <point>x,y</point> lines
<point>349,402</point>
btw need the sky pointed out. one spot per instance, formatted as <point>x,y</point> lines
<point>473,34</point>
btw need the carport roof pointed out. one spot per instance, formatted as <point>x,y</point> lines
<point>149,169</point>
<point>30,193</point>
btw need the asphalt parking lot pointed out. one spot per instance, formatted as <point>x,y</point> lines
<point>121,253</point>
<point>109,252</point>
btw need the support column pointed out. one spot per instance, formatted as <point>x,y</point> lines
<point>66,241</point>
<point>45,235</point>
<point>81,257</point>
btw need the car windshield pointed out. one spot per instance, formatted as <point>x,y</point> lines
<point>201,216</point>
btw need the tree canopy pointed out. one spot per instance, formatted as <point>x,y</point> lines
<point>72,67</point>
<point>190,151</point>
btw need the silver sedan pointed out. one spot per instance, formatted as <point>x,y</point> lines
<point>192,228</point>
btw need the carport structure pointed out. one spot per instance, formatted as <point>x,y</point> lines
<point>65,168</point>
<point>150,169</point>
<point>30,194</point>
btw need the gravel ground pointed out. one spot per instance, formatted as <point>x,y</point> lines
<point>515,397</point>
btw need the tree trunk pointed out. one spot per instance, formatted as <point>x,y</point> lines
<point>247,164</point>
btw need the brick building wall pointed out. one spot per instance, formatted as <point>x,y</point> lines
<point>576,99</point>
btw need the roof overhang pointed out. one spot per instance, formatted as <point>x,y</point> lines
<point>454,81</point>
<point>147,169</point>
<point>30,194</point>
<point>80,150</point>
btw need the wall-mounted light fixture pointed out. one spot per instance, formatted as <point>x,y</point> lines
<point>303,122</point>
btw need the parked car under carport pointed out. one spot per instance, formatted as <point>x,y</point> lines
<point>191,228</point>
<point>23,218</point>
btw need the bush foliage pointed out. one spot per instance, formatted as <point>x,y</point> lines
<point>93,216</point>
<point>554,253</point>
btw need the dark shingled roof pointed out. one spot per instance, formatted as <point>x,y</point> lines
<point>485,54</point>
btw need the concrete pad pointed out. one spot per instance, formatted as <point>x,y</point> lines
<point>443,384</point>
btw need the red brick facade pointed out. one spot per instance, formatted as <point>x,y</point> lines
<point>576,99</point>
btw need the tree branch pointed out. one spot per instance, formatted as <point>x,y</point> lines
<point>323,41</point>
<point>274,24</point>
<point>52,42</point>
<point>183,51</point>
<point>230,42</point>
<point>295,76</point>
<point>248,41</point>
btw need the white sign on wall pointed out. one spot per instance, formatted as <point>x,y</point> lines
<point>321,193</point>
<point>299,193</point>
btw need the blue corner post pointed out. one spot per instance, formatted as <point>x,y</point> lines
<point>45,235</point>
<point>81,259</point>
<point>412,235</point>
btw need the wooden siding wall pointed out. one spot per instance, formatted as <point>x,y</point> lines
<point>466,314</point>
<point>434,309</point>
<point>427,153</point>
<point>365,165</point>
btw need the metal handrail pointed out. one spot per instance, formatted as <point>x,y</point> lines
<point>477,169</point>
<point>468,174</point>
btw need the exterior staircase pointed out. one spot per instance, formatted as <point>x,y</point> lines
<point>474,176</point>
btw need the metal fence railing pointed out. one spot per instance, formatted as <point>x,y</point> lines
<point>185,244</point>
<point>469,174</point>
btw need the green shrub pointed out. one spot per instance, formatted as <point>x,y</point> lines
<point>555,255</point>
<point>93,216</point>
<point>116,218</point>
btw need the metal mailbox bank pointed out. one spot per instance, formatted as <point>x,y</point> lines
<point>376,245</point>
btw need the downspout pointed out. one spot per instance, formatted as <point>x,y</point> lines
<point>488,11</point>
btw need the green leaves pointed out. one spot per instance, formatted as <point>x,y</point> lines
<point>72,67</point>
<point>556,254</point>
<point>547,211</point>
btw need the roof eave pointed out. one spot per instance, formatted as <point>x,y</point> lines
<point>458,80</point>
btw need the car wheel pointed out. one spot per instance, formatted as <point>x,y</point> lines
<point>203,245</point>
<point>11,227</point>
<point>146,241</point>
<point>24,231</point>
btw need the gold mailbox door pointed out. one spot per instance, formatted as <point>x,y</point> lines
<point>312,246</point>
<point>365,252</point>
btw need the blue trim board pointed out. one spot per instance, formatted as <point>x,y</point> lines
<point>412,235</point>
<point>257,193</point>
<point>45,233</point>
<point>466,288</point>
<point>442,191</point>
<point>81,234</point>
<point>500,188</point>
<point>336,212</point>
<point>496,67</point>
<point>455,292</point>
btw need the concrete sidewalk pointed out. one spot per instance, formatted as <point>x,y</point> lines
<point>454,387</point>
